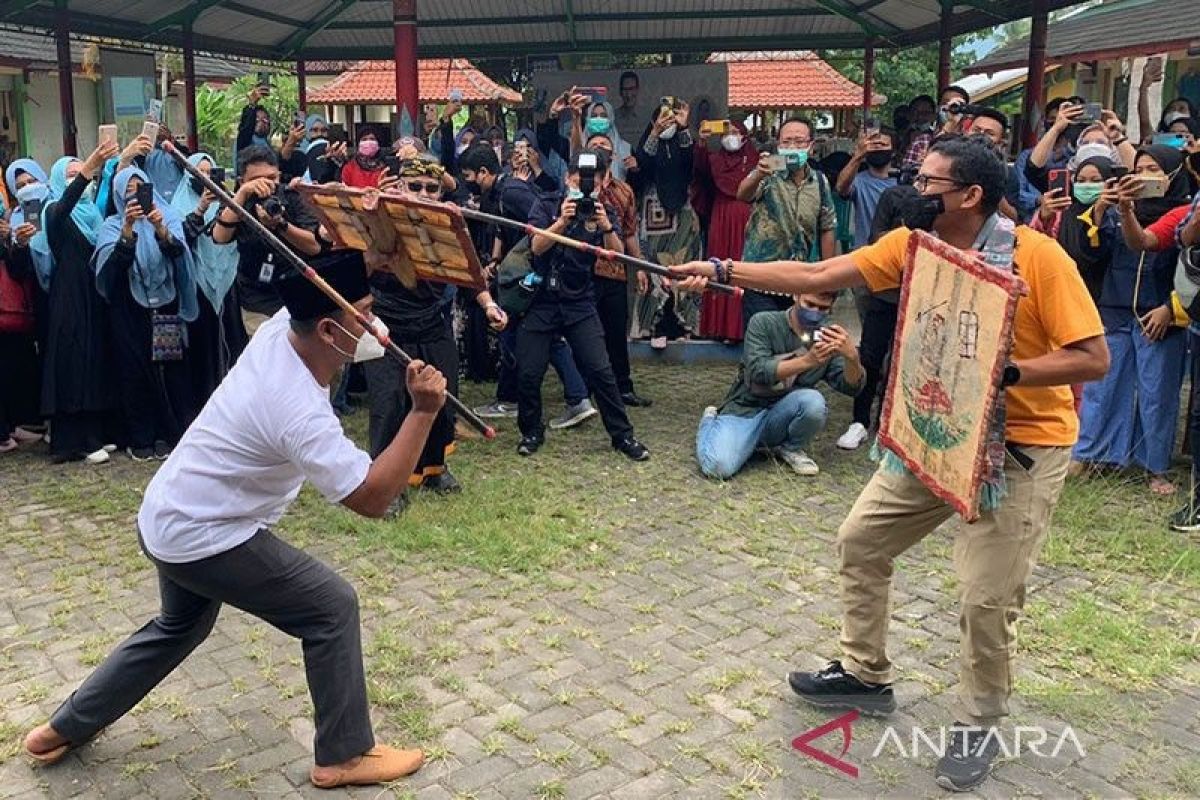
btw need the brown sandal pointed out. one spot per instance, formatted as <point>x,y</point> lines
<point>380,764</point>
<point>50,756</point>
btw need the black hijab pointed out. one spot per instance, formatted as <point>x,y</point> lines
<point>667,169</point>
<point>1178,192</point>
<point>1073,233</point>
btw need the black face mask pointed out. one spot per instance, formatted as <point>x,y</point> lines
<point>197,186</point>
<point>879,158</point>
<point>920,210</point>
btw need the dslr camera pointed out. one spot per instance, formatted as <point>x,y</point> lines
<point>585,207</point>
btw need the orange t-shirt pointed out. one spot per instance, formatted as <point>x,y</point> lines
<point>1058,311</point>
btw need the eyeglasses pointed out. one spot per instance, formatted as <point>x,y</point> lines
<point>921,182</point>
<point>423,187</point>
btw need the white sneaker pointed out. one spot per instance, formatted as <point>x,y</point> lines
<point>799,461</point>
<point>709,412</point>
<point>99,457</point>
<point>854,437</point>
<point>658,342</point>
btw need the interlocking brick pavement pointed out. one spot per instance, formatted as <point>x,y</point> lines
<point>659,674</point>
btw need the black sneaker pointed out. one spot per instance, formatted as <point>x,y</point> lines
<point>633,400</point>
<point>442,483</point>
<point>397,506</point>
<point>140,453</point>
<point>632,449</point>
<point>529,445</point>
<point>1186,519</point>
<point>833,687</point>
<point>968,759</point>
<point>161,450</point>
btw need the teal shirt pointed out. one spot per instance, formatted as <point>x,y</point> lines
<point>769,340</point>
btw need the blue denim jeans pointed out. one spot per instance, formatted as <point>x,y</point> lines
<point>725,442</point>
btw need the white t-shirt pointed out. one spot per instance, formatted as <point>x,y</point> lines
<point>267,428</point>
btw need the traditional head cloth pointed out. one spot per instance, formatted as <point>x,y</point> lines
<point>155,279</point>
<point>421,168</point>
<point>215,264</point>
<point>1178,191</point>
<point>346,273</point>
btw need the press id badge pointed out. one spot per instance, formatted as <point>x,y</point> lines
<point>267,270</point>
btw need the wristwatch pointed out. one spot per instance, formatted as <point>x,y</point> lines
<point>1012,375</point>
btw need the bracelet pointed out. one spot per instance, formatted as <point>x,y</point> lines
<point>729,271</point>
<point>718,269</point>
<point>1120,141</point>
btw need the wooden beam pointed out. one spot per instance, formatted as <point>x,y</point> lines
<point>569,7</point>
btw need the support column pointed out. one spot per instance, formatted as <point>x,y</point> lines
<point>189,88</point>
<point>66,87</point>
<point>868,80</point>
<point>404,25</point>
<point>945,44</point>
<point>1035,80</point>
<point>302,86</point>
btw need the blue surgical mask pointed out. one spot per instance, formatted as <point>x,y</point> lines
<point>1087,193</point>
<point>597,125</point>
<point>810,318</point>
<point>574,194</point>
<point>795,159</point>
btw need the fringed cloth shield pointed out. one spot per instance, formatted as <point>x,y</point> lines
<point>414,239</point>
<point>954,335</point>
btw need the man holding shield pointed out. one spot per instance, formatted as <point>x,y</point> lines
<point>1058,340</point>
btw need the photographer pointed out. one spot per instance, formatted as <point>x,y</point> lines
<point>279,208</point>
<point>774,402</point>
<point>564,305</point>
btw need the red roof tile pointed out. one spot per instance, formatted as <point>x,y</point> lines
<point>374,83</point>
<point>794,79</point>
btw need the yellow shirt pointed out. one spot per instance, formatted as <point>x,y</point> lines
<point>1057,312</point>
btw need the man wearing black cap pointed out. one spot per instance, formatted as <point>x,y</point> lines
<point>205,524</point>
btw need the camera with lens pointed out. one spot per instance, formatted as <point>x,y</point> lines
<point>955,107</point>
<point>585,206</point>
<point>271,205</point>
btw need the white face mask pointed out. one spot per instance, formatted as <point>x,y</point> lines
<point>669,131</point>
<point>732,142</point>
<point>368,347</point>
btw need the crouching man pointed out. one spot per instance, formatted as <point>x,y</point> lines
<point>774,403</point>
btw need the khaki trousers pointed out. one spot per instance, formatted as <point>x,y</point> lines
<point>993,559</point>
<point>253,321</point>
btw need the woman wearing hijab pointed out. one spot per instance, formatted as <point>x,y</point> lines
<point>1085,223</point>
<point>1131,415</point>
<point>18,345</point>
<point>366,167</point>
<point>670,228</point>
<point>718,175</point>
<point>293,156</point>
<point>598,121</point>
<point>145,271</point>
<point>218,336</point>
<point>78,387</point>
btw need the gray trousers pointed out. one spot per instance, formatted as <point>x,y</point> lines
<point>275,582</point>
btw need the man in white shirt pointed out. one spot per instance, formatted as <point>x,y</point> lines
<point>205,523</point>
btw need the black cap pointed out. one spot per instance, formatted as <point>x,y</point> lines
<point>344,270</point>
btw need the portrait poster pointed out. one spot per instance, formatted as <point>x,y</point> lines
<point>953,339</point>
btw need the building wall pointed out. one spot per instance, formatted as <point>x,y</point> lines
<point>42,117</point>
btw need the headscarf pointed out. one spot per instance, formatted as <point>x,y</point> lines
<point>374,163</point>
<point>621,148</point>
<point>39,245</point>
<point>309,122</point>
<point>86,215</point>
<point>1178,192</point>
<point>1163,125</point>
<point>458,139</point>
<point>666,170</point>
<point>215,264</point>
<point>728,169</point>
<point>1092,150</point>
<point>163,171</point>
<point>1079,230</point>
<point>155,280</point>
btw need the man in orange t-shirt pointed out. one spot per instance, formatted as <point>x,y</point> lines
<point>1058,340</point>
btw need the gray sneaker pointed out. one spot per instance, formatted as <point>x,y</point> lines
<point>799,461</point>
<point>574,415</point>
<point>496,410</point>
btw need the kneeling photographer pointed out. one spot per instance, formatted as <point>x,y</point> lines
<point>774,403</point>
<point>564,304</point>
<point>283,211</point>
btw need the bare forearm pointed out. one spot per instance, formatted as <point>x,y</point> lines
<point>854,373</point>
<point>798,277</point>
<point>1080,362</point>
<point>303,240</point>
<point>1147,125</point>
<point>749,186</point>
<point>828,245</point>
<point>1040,154</point>
<point>845,178</point>
<point>1136,237</point>
<point>388,475</point>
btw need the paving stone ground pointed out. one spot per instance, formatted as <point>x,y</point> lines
<point>654,672</point>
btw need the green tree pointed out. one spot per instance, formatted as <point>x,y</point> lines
<point>899,74</point>
<point>219,109</point>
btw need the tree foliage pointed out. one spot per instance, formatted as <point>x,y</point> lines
<point>218,110</point>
